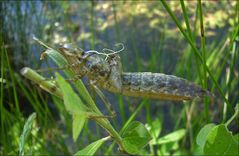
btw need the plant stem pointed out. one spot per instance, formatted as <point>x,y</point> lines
<point>203,46</point>
<point>234,115</point>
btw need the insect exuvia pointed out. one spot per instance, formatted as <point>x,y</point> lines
<point>106,72</point>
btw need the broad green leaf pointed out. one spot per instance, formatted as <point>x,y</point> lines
<point>172,137</point>
<point>236,138</point>
<point>154,128</point>
<point>202,135</point>
<point>26,131</point>
<point>169,148</point>
<point>198,150</point>
<point>72,101</point>
<point>92,148</point>
<point>77,125</point>
<point>135,137</point>
<point>133,144</point>
<point>135,128</point>
<point>220,142</point>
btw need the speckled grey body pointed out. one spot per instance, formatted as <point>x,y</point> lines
<point>158,86</point>
<point>107,74</point>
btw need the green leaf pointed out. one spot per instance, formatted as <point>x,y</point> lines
<point>236,138</point>
<point>56,57</point>
<point>92,148</point>
<point>154,128</point>
<point>74,105</point>
<point>172,137</point>
<point>202,135</point>
<point>77,125</point>
<point>26,131</point>
<point>220,142</point>
<point>72,101</point>
<point>135,137</point>
<point>198,150</point>
<point>168,149</point>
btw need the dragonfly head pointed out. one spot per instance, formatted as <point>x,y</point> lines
<point>84,62</point>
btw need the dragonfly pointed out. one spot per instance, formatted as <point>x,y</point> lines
<point>105,71</point>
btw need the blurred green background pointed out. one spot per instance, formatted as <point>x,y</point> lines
<point>152,43</point>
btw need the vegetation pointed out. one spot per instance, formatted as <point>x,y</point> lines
<point>194,40</point>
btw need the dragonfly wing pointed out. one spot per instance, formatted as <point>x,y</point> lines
<point>115,77</point>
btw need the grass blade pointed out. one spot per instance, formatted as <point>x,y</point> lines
<point>25,133</point>
<point>196,51</point>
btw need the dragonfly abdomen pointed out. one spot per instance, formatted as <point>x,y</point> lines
<point>159,86</point>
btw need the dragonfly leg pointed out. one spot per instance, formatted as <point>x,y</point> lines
<point>100,116</point>
<point>58,68</point>
<point>75,78</point>
<point>105,100</point>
